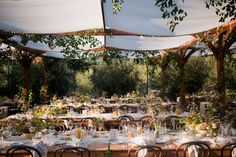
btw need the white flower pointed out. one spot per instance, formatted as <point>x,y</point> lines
<point>32,129</point>
<point>213,125</point>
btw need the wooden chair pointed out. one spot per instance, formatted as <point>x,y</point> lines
<point>155,150</point>
<point>204,149</point>
<point>60,128</point>
<point>142,107</point>
<point>171,122</point>
<point>123,108</point>
<point>125,118</point>
<point>78,151</point>
<point>88,122</point>
<point>31,151</point>
<point>127,123</point>
<point>81,108</point>
<point>146,119</point>
<point>69,121</point>
<point>68,108</point>
<point>229,147</point>
<point>109,109</point>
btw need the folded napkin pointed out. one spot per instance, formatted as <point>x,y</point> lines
<point>85,143</point>
<point>48,139</point>
<point>234,152</point>
<point>193,151</point>
<point>140,141</point>
<point>43,149</point>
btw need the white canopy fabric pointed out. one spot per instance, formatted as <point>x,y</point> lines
<point>50,16</point>
<point>146,43</point>
<point>143,17</point>
<point>44,47</point>
<point>136,16</point>
<point>119,42</point>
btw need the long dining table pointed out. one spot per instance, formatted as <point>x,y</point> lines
<point>98,142</point>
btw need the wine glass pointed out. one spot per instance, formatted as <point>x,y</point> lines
<point>52,130</point>
<point>1,133</point>
<point>70,125</point>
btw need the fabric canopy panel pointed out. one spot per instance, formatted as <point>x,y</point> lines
<point>119,42</point>
<point>146,43</point>
<point>44,47</point>
<point>143,17</point>
<point>136,16</point>
<point>45,16</point>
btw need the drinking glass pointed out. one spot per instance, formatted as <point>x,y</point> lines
<point>70,125</point>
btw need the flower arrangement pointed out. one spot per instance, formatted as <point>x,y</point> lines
<point>99,123</point>
<point>198,123</point>
<point>29,125</point>
<point>48,110</point>
<point>154,109</point>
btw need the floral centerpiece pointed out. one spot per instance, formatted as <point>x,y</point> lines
<point>48,110</point>
<point>204,125</point>
<point>154,109</point>
<point>29,125</point>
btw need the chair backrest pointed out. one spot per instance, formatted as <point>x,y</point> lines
<point>81,108</point>
<point>80,151</point>
<point>31,151</point>
<point>60,128</point>
<point>125,118</point>
<point>204,149</point>
<point>229,147</point>
<point>128,123</point>
<point>88,122</point>
<point>146,120</point>
<point>69,108</point>
<point>124,108</point>
<point>157,151</point>
<point>171,122</point>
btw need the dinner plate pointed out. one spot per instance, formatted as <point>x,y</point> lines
<point>221,140</point>
<point>59,142</point>
<point>233,138</point>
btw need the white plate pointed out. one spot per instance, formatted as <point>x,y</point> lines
<point>233,138</point>
<point>221,140</point>
<point>59,142</point>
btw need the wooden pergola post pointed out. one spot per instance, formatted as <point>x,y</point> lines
<point>25,61</point>
<point>225,37</point>
<point>182,58</point>
<point>163,60</point>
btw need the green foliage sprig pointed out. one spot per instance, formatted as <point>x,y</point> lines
<point>171,11</point>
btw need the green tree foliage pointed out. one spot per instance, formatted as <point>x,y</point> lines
<point>115,78</point>
<point>9,73</point>
<point>196,74</point>
<point>35,83</point>
<point>84,83</point>
<point>172,10</point>
<point>230,73</point>
<point>61,79</point>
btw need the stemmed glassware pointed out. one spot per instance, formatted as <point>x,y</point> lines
<point>224,129</point>
<point>1,133</point>
<point>70,125</point>
<point>51,130</point>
